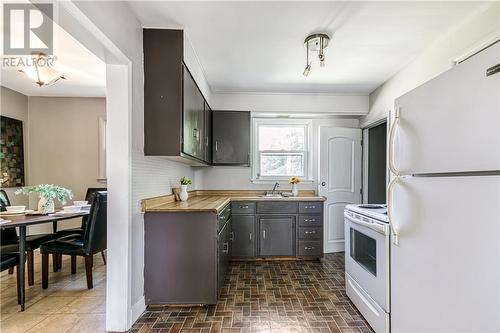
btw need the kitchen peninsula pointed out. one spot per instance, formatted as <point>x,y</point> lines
<point>188,244</point>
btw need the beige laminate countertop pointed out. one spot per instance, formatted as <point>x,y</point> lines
<point>213,202</point>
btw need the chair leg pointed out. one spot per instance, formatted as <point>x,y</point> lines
<point>73,264</point>
<point>18,283</point>
<point>103,257</point>
<point>45,270</point>
<point>88,271</point>
<point>54,262</point>
<point>31,268</point>
<point>59,261</point>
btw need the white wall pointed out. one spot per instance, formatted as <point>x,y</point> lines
<point>15,105</point>
<point>340,104</point>
<point>480,28</point>
<point>239,178</point>
<point>150,176</point>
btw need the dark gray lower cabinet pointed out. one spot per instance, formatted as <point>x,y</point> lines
<point>244,235</point>
<point>224,251</point>
<point>277,235</point>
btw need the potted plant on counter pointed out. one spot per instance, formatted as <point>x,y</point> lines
<point>184,184</point>
<point>47,194</point>
<point>294,181</point>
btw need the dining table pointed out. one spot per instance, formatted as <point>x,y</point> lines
<point>22,222</point>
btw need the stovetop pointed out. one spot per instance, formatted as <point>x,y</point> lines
<point>375,211</point>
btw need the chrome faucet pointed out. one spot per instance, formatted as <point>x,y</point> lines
<point>276,185</point>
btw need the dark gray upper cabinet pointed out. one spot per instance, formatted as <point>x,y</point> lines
<point>208,133</point>
<point>193,119</point>
<point>231,137</point>
<point>277,235</point>
<point>174,107</point>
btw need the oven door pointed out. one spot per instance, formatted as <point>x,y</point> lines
<point>367,256</point>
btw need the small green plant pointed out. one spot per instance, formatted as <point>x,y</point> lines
<point>186,181</point>
<point>48,192</point>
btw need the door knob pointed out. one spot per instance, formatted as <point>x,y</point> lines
<point>323,183</point>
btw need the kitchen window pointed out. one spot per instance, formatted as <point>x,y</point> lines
<point>281,149</point>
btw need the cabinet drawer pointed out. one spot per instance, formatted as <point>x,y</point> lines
<point>276,207</point>
<point>310,233</point>
<point>310,220</point>
<point>243,208</point>
<point>310,207</point>
<point>310,248</point>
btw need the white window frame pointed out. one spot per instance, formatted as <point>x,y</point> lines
<point>256,123</point>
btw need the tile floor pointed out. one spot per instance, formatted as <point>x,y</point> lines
<point>274,296</point>
<point>66,306</point>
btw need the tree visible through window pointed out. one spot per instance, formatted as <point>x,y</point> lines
<point>281,150</point>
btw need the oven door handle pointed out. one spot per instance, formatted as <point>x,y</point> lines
<point>381,229</point>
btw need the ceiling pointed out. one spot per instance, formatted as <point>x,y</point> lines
<point>258,46</point>
<point>85,73</point>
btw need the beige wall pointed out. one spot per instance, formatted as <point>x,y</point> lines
<point>61,143</point>
<point>15,105</point>
<point>482,27</point>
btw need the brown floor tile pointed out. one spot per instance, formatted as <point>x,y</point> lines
<point>269,296</point>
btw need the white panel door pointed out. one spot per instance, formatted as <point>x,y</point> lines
<point>339,180</point>
<point>445,273</point>
<point>452,123</point>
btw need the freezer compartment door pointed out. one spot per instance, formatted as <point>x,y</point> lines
<point>451,123</point>
<point>445,272</point>
<point>371,311</point>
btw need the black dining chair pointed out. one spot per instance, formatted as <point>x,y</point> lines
<point>8,261</point>
<point>92,241</point>
<point>65,232</point>
<point>10,241</point>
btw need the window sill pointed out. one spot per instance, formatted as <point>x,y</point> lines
<point>272,181</point>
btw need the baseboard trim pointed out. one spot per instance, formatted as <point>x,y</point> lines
<point>137,310</point>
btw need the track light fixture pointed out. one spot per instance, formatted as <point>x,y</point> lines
<point>316,43</point>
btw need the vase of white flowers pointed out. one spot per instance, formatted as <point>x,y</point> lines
<point>47,193</point>
<point>184,195</point>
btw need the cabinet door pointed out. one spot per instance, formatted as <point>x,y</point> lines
<point>207,130</point>
<point>223,250</point>
<point>277,235</point>
<point>244,235</point>
<point>193,117</point>
<point>231,137</point>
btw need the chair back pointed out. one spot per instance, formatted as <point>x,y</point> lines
<point>4,201</point>
<point>95,236</point>
<point>8,235</point>
<point>91,191</point>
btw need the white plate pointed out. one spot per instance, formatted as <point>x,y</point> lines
<point>27,211</point>
<point>63,213</point>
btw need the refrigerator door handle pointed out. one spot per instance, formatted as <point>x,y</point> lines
<point>390,146</point>
<point>390,191</point>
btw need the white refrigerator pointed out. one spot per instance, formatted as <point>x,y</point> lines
<point>444,201</point>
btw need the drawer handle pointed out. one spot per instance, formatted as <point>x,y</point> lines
<point>250,236</point>
<point>225,248</point>
<point>232,236</point>
<point>310,220</point>
<point>309,207</point>
<point>309,248</point>
<point>310,232</point>
<point>244,207</point>
<point>263,234</point>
